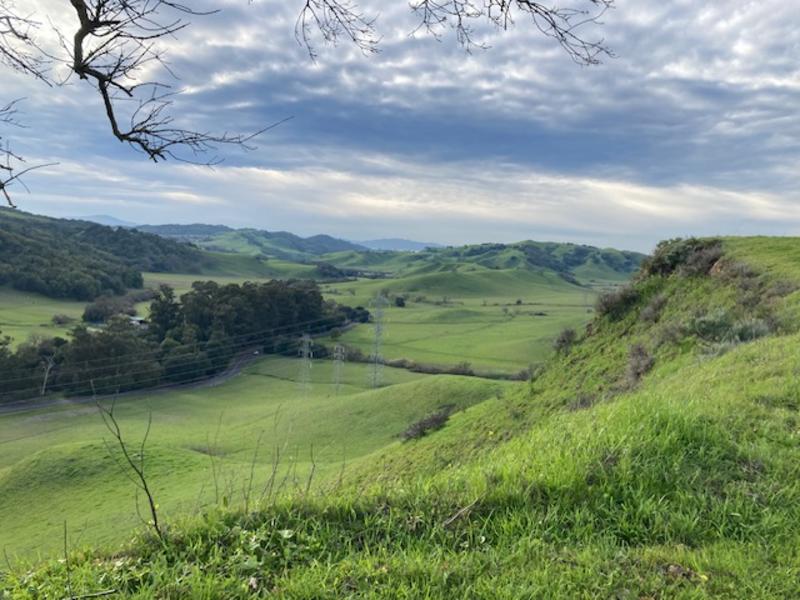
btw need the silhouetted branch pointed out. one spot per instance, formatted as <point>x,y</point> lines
<point>115,42</point>
<point>335,20</point>
<point>18,48</point>
<point>561,24</point>
<point>11,162</point>
<point>136,464</point>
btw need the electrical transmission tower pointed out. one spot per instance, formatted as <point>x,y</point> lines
<point>306,354</point>
<point>376,372</point>
<point>339,355</point>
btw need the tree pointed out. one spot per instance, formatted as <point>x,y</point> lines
<point>110,43</point>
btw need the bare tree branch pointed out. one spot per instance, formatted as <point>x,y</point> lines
<point>10,162</point>
<point>115,42</point>
<point>136,463</point>
<point>335,20</point>
<point>563,25</point>
<point>18,49</point>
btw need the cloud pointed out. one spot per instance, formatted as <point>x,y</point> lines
<point>692,128</point>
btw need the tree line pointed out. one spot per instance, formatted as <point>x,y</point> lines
<point>186,339</point>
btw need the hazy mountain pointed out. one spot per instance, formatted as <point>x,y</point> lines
<point>398,244</point>
<point>107,220</point>
<point>256,242</point>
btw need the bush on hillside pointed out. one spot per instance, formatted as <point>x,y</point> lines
<point>565,340</point>
<point>652,312</point>
<point>432,422</point>
<point>690,256</point>
<point>640,361</point>
<point>616,303</point>
<point>61,319</point>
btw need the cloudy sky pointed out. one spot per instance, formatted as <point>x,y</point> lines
<point>692,129</point>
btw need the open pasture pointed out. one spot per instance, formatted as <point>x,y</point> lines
<point>498,321</point>
<point>55,465</point>
<point>24,314</point>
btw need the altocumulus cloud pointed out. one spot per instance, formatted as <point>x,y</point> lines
<point>690,130</point>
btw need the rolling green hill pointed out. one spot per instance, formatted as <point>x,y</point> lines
<point>656,456</point>
<point>573,262</point>
<point>253,242</point>
<point>80,260</point>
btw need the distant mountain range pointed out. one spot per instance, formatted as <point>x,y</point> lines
<point>107,220</point>
<point>398,244</point>
<point>280,242</point>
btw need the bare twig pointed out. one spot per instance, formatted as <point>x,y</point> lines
<point>249,489</point>
<point>18,48</point>
<point>135,464</point>
<point>564,25</point>
<point>461,513</point>
<point>66,563</point>
<point>10,162</point>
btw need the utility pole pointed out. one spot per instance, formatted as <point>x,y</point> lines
<point>376,372</point>
<point>306,355</point>
<point>48,362</point>
<point>339,355</point>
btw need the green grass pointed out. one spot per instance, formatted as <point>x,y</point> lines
<point>57,457</point>
<point>586,483</point>
<point>480,323</point>
<point>24,315</point>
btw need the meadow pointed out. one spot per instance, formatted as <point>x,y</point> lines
<point>55,465</point>
<point>497,321</point>
<point>24,315</point>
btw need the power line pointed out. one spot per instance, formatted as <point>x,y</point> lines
<point>195,346</point>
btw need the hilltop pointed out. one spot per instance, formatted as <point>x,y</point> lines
<point>656,455</point>
<point>254,242</point>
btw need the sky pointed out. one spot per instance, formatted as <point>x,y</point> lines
<point>691,129</point>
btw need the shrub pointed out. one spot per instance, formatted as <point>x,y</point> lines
<point>720,327</point>
<point>640,361</point>
<point>712,327</point>
<point>62,320</point>
<point>690,256</point>
<point>615,304</point>
<point>399,302</point>
<point>652,312</point>
<point>432,422</point>
<point>565,340</point>
<point>581,402</point>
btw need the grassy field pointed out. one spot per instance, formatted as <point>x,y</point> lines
<point>54,465</point>
<point>23,315</point>
<point>500,321</point>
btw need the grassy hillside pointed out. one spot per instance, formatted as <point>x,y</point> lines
<point>586,263</point>
<point>253,242</point>
<point>657,457</point>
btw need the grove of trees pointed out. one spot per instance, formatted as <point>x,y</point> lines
<point>187,340</point>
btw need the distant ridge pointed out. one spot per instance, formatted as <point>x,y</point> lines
<point>399,244</point>
<point>255,242</point>
<point>106,220</point>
